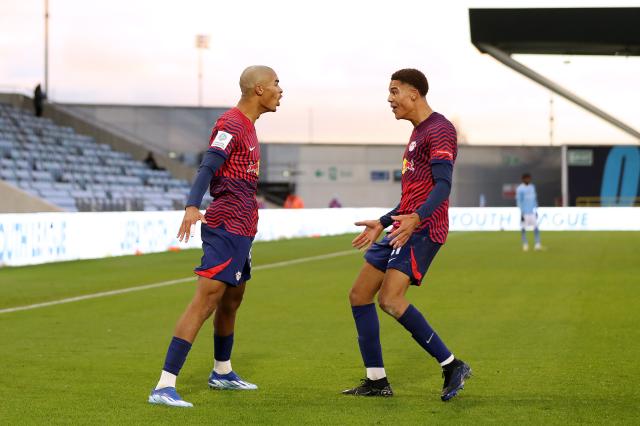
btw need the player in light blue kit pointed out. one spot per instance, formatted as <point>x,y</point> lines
<point>527,201</point>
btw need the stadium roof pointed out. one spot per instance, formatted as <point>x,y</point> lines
<point>564,31</point>
<point>576,31</point>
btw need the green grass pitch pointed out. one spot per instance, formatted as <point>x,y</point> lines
<point>552,337</point>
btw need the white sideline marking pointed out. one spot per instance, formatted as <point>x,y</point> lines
<point>170,282</point>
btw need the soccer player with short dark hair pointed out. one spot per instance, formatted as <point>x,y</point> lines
<point>420,227</point>
<point>230,171</point>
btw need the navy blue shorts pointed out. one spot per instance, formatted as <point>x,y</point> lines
<point>413,258</point>
<point>226,258</point>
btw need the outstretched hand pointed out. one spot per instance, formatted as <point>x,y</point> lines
<point>372,230</point>
<point>191,216</point>
<point>408,224</point>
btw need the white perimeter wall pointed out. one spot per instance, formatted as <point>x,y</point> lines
<point>34,238</point>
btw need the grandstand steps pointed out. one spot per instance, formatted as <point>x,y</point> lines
<point>16,200</point>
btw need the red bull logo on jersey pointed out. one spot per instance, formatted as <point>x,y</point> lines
<point>407,165</point>
<point>254,168</point>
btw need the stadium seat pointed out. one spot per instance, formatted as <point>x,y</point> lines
<point>76,173</point>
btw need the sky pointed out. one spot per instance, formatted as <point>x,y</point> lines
<point>334,59</point>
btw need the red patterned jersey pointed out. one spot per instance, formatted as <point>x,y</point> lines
<point>234,185</point>
<point>432,141</point>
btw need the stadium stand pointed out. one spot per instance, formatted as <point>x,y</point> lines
<point>74,172</point>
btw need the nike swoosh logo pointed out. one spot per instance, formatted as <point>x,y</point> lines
<point>393,258</point>
<point>430,337</point>
<point>252,148</point>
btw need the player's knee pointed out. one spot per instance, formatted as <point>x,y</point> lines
<point>353,297</point>
<point>209,304</point>
<point>388,303</point>
<point>358,297</point>
<point>202,305</point>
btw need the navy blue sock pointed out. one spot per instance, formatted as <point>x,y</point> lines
<point>368,328</point>
<point>176,355</point>
<point>222,346</point>
<point>422,333</point>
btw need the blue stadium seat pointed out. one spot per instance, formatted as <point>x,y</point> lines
<point>6,163</point>
<point>76,173</point>
<point>23,174</point>
<point>42,175</point>
<point>7,174</point>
